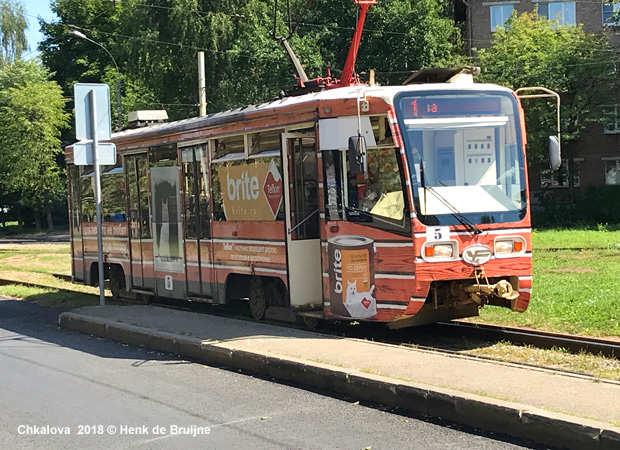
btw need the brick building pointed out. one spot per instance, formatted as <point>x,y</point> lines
<point>596,154</point>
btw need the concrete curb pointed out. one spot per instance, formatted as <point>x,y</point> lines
<point>514,419</point>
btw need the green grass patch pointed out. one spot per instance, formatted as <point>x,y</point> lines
<point>49,296</point>
<point>576,289</point>
<point>599,366</point>
<point>37,258</point>
<point>602,237</point>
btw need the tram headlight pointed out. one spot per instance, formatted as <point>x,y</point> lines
<point>509,246</point>
<point>443,251</point>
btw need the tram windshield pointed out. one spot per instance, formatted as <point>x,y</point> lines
<point>465,154</point>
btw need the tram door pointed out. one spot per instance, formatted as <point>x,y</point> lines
<point>168,252</point>
<point>301,189</point>
<point>197,212</point>
<point>140,239</point>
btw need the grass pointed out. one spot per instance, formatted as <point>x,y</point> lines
<point>49,296</point>
<point>36,258</point>
<point>599,366</point>
<point>576,289</point>
<point>36,263</point>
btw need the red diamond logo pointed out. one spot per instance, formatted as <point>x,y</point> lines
<point>273,188</point>
<point>366,303</point>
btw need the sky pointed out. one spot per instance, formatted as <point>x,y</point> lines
<point>34,9</point>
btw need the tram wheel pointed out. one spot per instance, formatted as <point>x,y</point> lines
<point>116,282</point>
<point>258,299</point>
<point>310,322</point>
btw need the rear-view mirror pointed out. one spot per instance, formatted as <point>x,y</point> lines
<point>555,155</point>
<point>357,155</point>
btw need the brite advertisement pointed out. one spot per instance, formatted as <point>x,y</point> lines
<point>251,191</point>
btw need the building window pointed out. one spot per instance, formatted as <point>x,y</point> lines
<point>612,119</point>
<point>499,15</point>
<point>560,177</point>
<point>608,11</point>
<point>563,12</point>
<point>612,171</point>
<point>576,172</point>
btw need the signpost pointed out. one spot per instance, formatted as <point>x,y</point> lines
<point>92,123</point>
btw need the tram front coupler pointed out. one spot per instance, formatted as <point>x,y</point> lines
<point>480,291</point>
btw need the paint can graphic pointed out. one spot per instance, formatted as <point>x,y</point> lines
<point>352,277</point>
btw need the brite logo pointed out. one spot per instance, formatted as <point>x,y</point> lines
<point>243,188</point>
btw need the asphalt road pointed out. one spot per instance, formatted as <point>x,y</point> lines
<point>103,394</point>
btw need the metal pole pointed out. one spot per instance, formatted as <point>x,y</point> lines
<point>93,118</point>
<point>118,100</point>
<point>202,84</point>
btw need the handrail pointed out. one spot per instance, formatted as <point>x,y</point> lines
<point>549,93</point>
<point>300,223</point>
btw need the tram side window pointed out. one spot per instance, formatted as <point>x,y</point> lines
<point>132,178</point>
<point>113,191</point>
<point>332,165</point>
<point>229,147</point>
<point>143,194</point>
<point>247,186</point>
<point>265,143</point>
<point>87,191</point>
<point>204,205</point>
<point>195,186</point>
<point>75,199</point>
<point>376,198</point>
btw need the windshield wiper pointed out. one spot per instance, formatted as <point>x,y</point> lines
<point>471,227</point>
<point>455,212</point>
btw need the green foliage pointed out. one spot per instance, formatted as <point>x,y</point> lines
<point>597,206</point>
<point>31,116</point>
<point>13,25</point>
<point>533,51</point>
<point>155,44</point>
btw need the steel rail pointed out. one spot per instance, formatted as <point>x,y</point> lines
<point>518,336</point>
<point>537,338</point>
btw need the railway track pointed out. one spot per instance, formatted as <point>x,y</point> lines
<point>455,330</point>
<point>537,338</point>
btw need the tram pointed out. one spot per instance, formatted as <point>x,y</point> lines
<point>399,204</point>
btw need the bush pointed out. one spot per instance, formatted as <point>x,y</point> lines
<point>598,205</point>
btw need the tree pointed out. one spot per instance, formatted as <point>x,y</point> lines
<point>31,116</point>
<point>533,51</point>
<point>400,36</point>
<point>155,44</point>
<point>13,25</point>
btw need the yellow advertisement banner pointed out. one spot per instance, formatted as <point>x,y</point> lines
<point>251,191</point>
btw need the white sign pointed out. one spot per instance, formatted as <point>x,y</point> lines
<point>437,233</point>
<point>334,134</point>
<point>83,154</point>
<point>168,282</point>
<point>83,125</point>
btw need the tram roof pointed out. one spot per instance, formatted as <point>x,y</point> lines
<point>387,93</point>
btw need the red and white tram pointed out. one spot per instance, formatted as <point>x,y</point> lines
<point>399,204</point>
<point>426,219</point>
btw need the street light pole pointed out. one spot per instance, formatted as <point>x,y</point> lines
<point>118,76</point>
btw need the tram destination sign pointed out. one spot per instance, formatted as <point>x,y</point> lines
<point>450,106</point>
